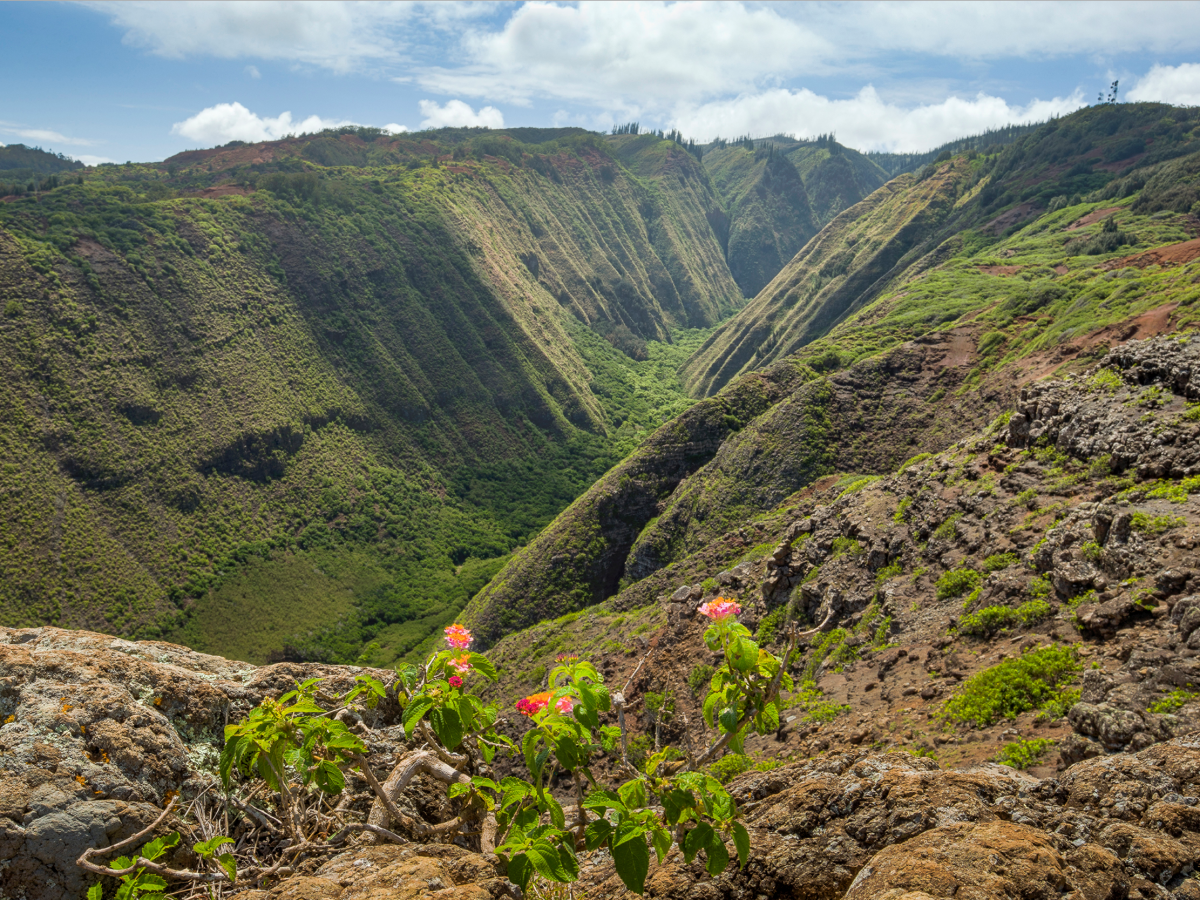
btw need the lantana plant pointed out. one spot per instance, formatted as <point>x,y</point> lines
<point>661,805</point>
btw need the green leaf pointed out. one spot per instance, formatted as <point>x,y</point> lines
<point>768,719</point>
<point>95,892</point>
<point>675,803</point>
<point>728,719</point>
<point>458,789</point>
<point>556,812</point>
<point>447,726</point>
<point>329,777</point>
<point>229,865</point>
<point>514,790</point>
<point>603,800</point>
<point>207,848</point>
<point>632,859</point>
<point>743,654</point>
<point>159,846</point>
<point>229,754</point>
<point>148,882</point>
<point>696,840</point>
<point>568,861</point>
<point>544,857</point>
<point>414,712</point>
<point>633,794</point>
<point>520,870</point>
<point>483,665</point>
<point>710,706</point>
<point>741,840</point>
<point>718,856</point>
<point>603,700</point>
<point>479,781</point>
<point>661,838</point>
<point>121,862</point>
<point>596,834</point>
<point>566,752</point>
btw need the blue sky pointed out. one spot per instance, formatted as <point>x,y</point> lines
<point>142,81</point>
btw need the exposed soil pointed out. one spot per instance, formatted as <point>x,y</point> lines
<point>1093,217</point>
<point>1012,217</point>
<point>1167,257</point>
<point>1000,270</point>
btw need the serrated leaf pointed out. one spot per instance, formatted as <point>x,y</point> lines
<point>520,870</point>
<point>95,892</point>
<point>556,812</point>
<point>741,840</point>
<point>447,726</point>
<point>568,861</point>
<point>743,654</point>
<point>728,720</point>
<point>544,857</point>
<point>632,859</point>
<point>718,855</point>
<point>661,838</point>
<point>414,712</point>
<point>710,705</point>
<point>675,803</point>
<point>596,834</point>
<point>229,865</point>
<point>483,665</point>
<point>329,777</point>
<point>603,800</point>
<point>633,794</point>
<point>458,789</point>
<point>148,882</point>
<point>207,848</point>
<point>696,840</point>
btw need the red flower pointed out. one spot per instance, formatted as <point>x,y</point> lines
<point>455,681</point>
<point>533,704</point>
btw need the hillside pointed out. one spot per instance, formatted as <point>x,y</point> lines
<point>998,694</point>
<point>959,209</point>
<point>777,192</point>
<point>904,335</point>
<point>330,382</point>
<point>21,165</point>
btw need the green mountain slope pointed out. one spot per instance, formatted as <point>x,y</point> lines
<point>911,320</point>
<point>362,363</point>
<point>973,198</point>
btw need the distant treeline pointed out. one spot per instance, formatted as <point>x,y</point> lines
<point>896,163</point>
<point>687,144</point>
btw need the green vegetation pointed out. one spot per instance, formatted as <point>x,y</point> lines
<point>699,677</point>
<point>812,707</point>
<point>1031,681</point>
<point>901,513</point>
<point>730,766</point>
<point>1177,699</point>
<point>948,530</point>
<point>998,561</point>
<point>991,619</point>
<point>1024,753</point>
<point>957,582</point>
<point>1155,525</point>
<point>769,625</point>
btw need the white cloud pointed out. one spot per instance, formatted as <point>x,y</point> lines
<point>865,121</point>
<point>1179,85</point>
<point>613,52</point>
<point>233,122</point>
<point>341,36</point>
<point>44,135</point>
<point>253,72</point>
<point>91,160</point>
<point>977,30</point>
<point>393,128</point>
<point>456,114</point>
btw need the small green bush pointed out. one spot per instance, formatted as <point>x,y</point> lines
<point>1106,381</point>
<point>1041,587</point>
<point>730,766</point>
<point>889,571</point>
<point>1177,699</point>
<point>768,625</point>
<point>913,460</point>
<point>844,546</point>
<point>957,582</point>
<point>1014,686</point>
<point>812,706</point>
<point>1027,498</point>
<point>901,513</point>
<point>991,619</point>
<point>709,585</point>
<point>699,678</point>
<point>1091,550</point>
<point>1154,525</point>
<point>859,485</point>
<point>1023,754</point>
<point>998,561</point>
<point>947,531</point>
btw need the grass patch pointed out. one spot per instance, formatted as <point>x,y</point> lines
<point>998,561</point>
<point>957,582</point>
<point>1175,700</point>
<point>1155,525</point>
<point>992,619</point>
<point>1024,753</point>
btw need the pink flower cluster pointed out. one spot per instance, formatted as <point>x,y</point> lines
<point>533,704</point>
<point>565,705</point>
<point>565,658</point>
<point>462,664</point>
<point>458,637</point>
<point>455,681</point>
<point>720,608</point>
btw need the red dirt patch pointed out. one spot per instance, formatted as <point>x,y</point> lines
<point>223,190</point>
<point>1093,217</point>
<point>1010,218</point>
<point>1150,323</point>
<point>1000,270</point>
<point>1061,269</point>
<point>1168,256</point>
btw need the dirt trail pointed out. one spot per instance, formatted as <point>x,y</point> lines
<point>1093,217</point>
<point>1168,256</point>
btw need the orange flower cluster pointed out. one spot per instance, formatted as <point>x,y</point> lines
<point>458,637</point>
<point>533,704</point>
<point>720,608</point>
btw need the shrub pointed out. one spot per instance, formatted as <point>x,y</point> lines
<point>901,513</point>
<point>957,582</point>
<point>1014,686</point>
<point>1091,550</point>
<point>948,531</point>
<point>1107,381</point>
<point>699,678</point>
<point>889,571</point>
<point>858,485</point>
<point>843,546</point>
<point>709,585</point>
<point>914,460</point>
<point>812,707</point>
<point>998,561</point>
<point>1027,498</point>
<point>998,618</point>
<point>769,625</point>
<point>1177,699</point>
<point>730,766</point>
<point>1023,754</point>
<point>1155,524</point>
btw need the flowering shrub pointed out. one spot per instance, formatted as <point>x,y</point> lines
<point>664,804</point>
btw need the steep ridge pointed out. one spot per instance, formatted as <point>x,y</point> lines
<point>974,198</point>
<point>242,352</point>
<point>835,177</point>
<point>954,326</point>
<point>768,209</point>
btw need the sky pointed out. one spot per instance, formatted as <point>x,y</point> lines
<point>117,81</point>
